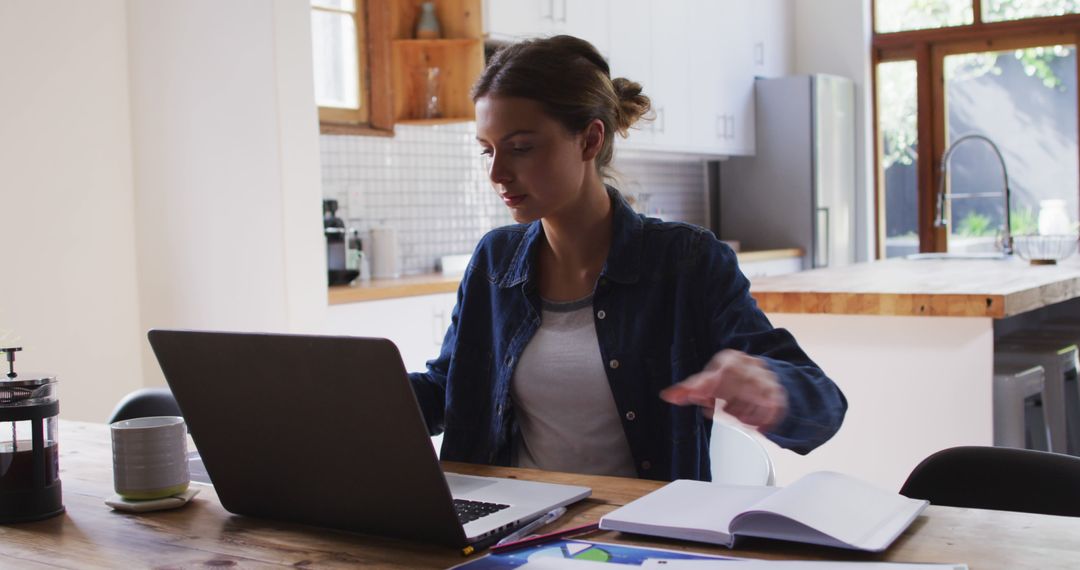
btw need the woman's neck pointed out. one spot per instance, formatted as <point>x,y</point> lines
<point>576,246</point>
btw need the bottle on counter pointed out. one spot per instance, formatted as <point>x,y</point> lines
<point>337,255</point>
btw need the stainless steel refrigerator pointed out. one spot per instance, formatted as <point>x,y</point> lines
<point>798,190</point>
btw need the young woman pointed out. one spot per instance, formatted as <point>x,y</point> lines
<point>587,337</point>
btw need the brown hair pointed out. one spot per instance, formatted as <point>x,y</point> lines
<point>573,83</point>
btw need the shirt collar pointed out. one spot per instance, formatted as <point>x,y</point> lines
<point>623,263</point>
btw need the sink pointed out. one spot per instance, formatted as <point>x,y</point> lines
<point>958,255</point>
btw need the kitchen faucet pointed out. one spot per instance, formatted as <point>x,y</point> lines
<point>940,221</point>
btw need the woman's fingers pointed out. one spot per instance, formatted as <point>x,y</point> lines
<point>749,391</point>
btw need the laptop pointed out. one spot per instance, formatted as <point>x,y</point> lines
<point>326,430</point>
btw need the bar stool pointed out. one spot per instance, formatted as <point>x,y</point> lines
<point>1061,395</point>
<point>1065,330</point>
<point>1019,415</point>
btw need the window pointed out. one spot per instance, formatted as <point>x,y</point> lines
<point>348,47</point>
<point>1002,69</point>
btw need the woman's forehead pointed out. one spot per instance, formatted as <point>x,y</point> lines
<point>501,117</point>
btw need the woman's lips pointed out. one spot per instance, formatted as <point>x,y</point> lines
<point>512,200</point>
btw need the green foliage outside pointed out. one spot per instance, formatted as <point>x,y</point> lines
<point>1022,222</point>
<point>974,224</point>
<point>897,98</point>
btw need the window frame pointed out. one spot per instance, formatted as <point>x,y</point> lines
<point>376,117</point>
<point>928,49</point>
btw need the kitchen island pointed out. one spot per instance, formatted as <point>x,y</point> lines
<point>911,344</point>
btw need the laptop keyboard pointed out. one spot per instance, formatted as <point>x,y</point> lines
<point>468,511</point>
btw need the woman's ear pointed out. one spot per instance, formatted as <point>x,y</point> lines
<point>592,139</point>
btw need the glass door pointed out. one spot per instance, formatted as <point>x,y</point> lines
<point>898,144</point>
<point>1024,102</point>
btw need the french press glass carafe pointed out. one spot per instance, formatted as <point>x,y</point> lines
<point>29,457</point>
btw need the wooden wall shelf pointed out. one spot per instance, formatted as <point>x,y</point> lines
<point>458,55</point>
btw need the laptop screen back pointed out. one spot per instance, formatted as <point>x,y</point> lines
<point>310,429</point>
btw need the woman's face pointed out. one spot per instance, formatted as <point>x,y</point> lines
<point>536,165</point>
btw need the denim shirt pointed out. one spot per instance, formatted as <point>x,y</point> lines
<point>669,297</point>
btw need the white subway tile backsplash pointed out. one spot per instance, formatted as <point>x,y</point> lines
<point>430,183</point>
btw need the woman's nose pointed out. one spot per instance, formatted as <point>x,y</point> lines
<point>498,170</point>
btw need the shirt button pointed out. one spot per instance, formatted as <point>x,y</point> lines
<point>613,364</point>
<point>630,415</point>
<point>603,282</point>
<point>646,465</point>
<point>600,315</point>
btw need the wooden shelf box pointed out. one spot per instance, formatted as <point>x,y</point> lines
<point>459,56</point>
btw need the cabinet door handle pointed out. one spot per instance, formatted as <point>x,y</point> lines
<point>550,16</point>
<point>759,53</point>
<point>663,123</point>
<point>731,127</point>
<point>563,19</point>
<point>720,125</point>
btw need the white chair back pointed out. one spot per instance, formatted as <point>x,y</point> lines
<point>738,457</point>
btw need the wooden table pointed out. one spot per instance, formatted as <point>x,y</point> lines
<point>90,535</point>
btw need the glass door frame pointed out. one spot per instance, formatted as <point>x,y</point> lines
<point>928,49</point>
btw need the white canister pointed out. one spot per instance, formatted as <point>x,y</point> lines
<point>385,261</point>
<point>1053,220</point>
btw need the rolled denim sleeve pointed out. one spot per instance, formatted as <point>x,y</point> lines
<point>816,406</point>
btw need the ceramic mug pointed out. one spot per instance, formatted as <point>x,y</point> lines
<point>150,457</point>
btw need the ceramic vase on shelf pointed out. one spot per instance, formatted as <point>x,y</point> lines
<point>427,26</point>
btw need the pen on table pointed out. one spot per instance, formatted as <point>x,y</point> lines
<point>490,541</point>
<point>518,532</point>
<point>549,537</point>
<point>527,529</point>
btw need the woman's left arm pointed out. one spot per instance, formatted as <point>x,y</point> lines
<point>760,373</point>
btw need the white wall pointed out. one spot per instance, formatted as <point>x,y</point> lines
<point>225,137</point>
<point>158,168</point>
<point>833,36</point>
<point>67,267</point>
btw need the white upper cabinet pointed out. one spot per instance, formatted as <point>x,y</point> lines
<point>723,76</point>
<point>586,19</point>
<point>671,81</point>
<point>696,60</point>
<point>631,38</point>
<point>773,38</point>
<point>515,19</point>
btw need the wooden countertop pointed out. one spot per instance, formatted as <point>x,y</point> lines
<point>411,286</point>
<point>90,535</point>
<point>923,287</point>
<point>434,283</point>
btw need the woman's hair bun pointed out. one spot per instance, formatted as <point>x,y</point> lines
<point>633,104</point>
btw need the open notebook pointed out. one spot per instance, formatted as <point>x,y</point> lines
<point>824,508</point>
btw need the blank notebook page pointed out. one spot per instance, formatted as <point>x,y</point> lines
<point>844,508</point>
<point>694,504</point>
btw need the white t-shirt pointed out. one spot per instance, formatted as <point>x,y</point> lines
<point>562,399</point>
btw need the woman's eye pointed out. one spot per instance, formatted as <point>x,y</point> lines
<point>486,152</point>
<point>522,149</point>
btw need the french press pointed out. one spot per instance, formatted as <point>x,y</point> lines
<point>29,457</point>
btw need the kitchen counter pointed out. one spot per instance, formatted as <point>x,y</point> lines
<point>435,283</point>
<point>377,289</point>
<point>924,287</point>
<point>911,344</point>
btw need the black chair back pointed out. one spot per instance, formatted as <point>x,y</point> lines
<point>998,478</point>
<point>144,403</point>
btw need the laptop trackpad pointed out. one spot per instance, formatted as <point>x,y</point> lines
<point>463,484</point>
